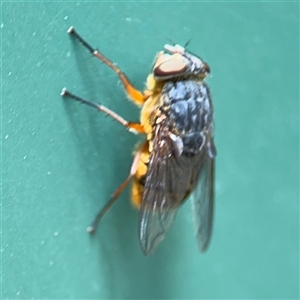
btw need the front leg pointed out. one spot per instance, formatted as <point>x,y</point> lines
<point>135,95</point>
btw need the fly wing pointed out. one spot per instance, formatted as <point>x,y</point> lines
<point>167,184</point>
<point>203,203</point>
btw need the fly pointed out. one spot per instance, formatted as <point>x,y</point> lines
<point>177,158</point>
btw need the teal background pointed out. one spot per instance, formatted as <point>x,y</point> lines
<point>62,160</point>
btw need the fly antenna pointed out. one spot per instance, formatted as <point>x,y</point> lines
<point>187,43</point>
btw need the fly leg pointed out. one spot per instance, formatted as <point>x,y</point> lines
<point>137,96</point>
<point>133,127</point>
<point>92,228</point>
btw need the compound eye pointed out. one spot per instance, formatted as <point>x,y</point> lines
<point>169,66</point>
<point>206,68</point>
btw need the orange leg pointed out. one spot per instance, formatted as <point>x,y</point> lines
<point>92,228</point>
<point>137,96</point>
<point>133,127</point>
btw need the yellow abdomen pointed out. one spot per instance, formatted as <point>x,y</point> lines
<point>139,178</point>
<point>147,118</point>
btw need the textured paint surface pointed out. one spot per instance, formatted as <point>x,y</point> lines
<point>61,160</point>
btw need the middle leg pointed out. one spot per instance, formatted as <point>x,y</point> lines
<point>133,127</point>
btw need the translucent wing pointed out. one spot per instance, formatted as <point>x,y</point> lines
<point>167,184</point>
<point>203,203</point>
<point>159,205</point>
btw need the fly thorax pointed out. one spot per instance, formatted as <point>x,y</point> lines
<point>189,111</point>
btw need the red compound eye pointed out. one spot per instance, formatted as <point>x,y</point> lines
<point>173,65</point>
<point>206,68</point>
